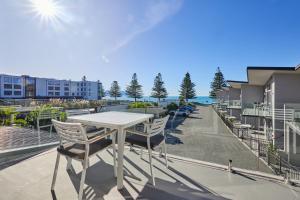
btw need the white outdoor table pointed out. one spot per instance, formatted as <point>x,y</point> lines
<point>114,120</point>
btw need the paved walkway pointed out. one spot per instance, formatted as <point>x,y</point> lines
<point>203,136</point>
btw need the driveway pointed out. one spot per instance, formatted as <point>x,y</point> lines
<point>203,136</point>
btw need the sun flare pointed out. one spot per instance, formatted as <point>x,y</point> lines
<point>45,8</point>
<point>49,12</point>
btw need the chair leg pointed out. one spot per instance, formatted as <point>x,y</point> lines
<point>165,151</point>
<point>82,180</point>
<point>69,163</point>
<point>50,130</point>
<point>114,154</point>
<point>55,171</point>
<point>130,147</point>
<point>141,153</point>
<point>150,161</point>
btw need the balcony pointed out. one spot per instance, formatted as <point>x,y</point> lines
<point>234,104</point>
<point>184,179</point>
<point>258,110</point>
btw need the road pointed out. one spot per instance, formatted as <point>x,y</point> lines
<point>203,136</point>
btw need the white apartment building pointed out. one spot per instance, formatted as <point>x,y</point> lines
<point>18,87</point>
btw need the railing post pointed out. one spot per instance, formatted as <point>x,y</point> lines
<point>280,164</point>
<point>268,156</point>
<point>258,148</point>
<point>230,166</point>
<point>287,177</point>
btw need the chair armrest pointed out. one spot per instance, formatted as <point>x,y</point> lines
<point>92,134</point>
<point>137,133</point>
<point>147,126</point>
<point>157,134</point>
<point>99,137</point>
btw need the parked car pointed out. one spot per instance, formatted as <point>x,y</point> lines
<point>180,112</point>
<point>189,108</point>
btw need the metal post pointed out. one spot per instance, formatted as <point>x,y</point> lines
<point>284,128</point>
<point>230,166</point>
<point>280,164</point>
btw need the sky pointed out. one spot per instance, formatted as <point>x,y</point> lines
<point>110,40</point>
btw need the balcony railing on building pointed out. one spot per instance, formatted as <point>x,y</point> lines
<point>234,104</point>
<point>257,109</point>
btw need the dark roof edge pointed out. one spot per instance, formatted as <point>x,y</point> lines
<point>272,68</point>
<point>236,81</point>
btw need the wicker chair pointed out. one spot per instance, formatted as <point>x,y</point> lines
<point>153,135</point>
<point>75,144</point>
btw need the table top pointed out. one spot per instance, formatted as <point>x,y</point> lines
<point>111,119</point>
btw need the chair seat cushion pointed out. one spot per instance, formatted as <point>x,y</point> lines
<point>78,150</point>
<point>142,141</point>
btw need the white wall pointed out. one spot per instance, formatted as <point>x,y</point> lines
<point>251,94</point>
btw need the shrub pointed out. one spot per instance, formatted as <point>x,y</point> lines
<point>31,118</point>
<point>6,114</point>
<point>20,122</point>
<point>172,106</point>
<point>139,105</point>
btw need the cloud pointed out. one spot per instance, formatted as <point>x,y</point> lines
<point>105,59</point>
<point>155,13</point>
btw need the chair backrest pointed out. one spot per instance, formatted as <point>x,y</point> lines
<point>48,114</point>
<point>71,132</point>
<point>158,125</point>
<point>77,112</point>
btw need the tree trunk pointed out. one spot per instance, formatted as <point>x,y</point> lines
<point>115,98</point>
<point>134,99</point>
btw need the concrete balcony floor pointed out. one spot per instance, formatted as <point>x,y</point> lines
<point>31,179</point>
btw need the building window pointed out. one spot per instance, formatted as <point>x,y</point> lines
<point>17,80</point>
<point>17,93</point>
<point>7,79</point>
<point>50,93</point>
<point>50,87</point>
<point>50,83</point>
<point>57,93</point>
<point>18,87</point>
<point>7,93</point>
<point>7,86</point>
<point>57,88</point>
<point>66,89</point>
<point>67,94</point>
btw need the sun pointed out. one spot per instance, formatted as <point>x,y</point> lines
<point>49,12</point>
<point>45,8</point>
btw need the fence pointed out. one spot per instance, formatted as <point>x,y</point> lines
<point>264,150</point>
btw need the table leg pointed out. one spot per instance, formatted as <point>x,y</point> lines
<point>121,141</point>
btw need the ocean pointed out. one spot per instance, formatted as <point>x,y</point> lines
<point>198,99</point>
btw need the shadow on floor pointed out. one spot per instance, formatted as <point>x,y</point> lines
<point>99,180</point>
<point>172,190</point>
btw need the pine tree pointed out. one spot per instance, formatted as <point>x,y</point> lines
<point>134,89</point>
<point>115,90</point>
<point>187,88</point>
<point>159,91</point>
<point>217,83</point>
